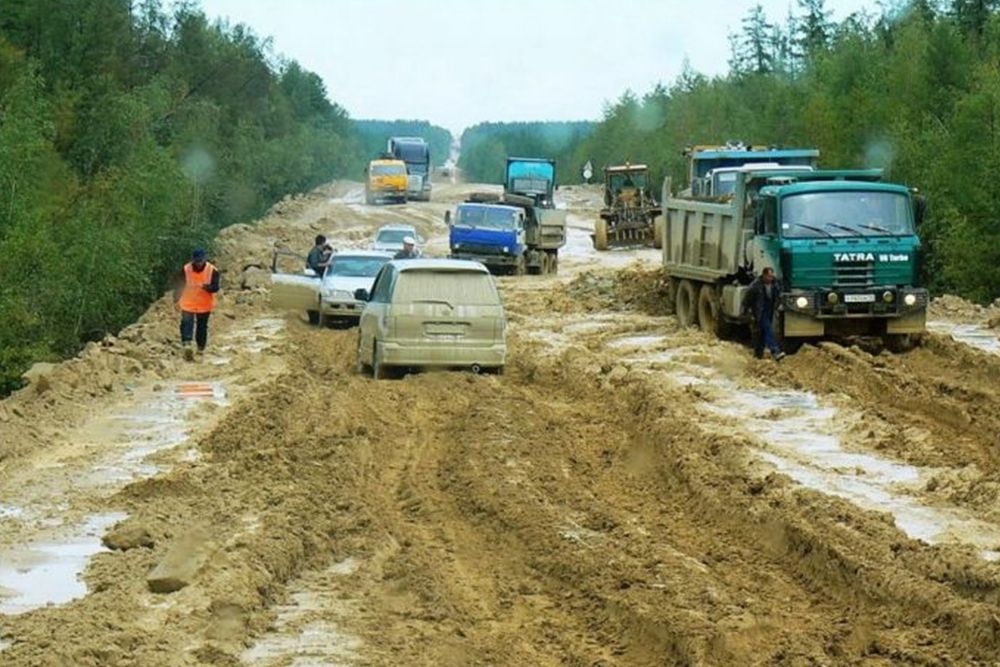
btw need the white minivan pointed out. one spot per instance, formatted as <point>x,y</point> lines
<point>432,314</point>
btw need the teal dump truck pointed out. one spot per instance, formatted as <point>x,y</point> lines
<point>531,177</point>
<point>844,245</point>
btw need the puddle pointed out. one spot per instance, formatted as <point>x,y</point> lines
<point>155,423</point>
<point>257,338</point>
<point>637,341</point>
<point>43,573</point>
<point>974,335</point>
<point>11,511</point>
<point>799,437</point>
<point>305,634</point>
<point>799,433</point>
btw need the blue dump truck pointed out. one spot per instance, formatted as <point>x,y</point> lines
<point>415,152</point>
<point>507,233</point>
<point>844,245</point>
<point>530,177</point>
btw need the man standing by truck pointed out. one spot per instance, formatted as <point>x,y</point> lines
<point>195,298</point>
<point>761,302</point>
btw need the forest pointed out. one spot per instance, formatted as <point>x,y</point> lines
<point>373,135</point>
<point>128,136</point>
<point>486,146</point>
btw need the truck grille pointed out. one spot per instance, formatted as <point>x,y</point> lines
<point>854,274</point>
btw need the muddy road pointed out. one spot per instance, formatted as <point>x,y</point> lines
<point>629,493</point>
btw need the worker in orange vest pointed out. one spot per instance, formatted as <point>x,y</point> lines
<point>195,298</point>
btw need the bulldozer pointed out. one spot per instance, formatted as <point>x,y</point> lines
<point>630,211</point>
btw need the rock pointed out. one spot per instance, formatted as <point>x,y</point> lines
<point>255,277</point>
<point>617,374</point>
<point>181,563</point>
<point>39,376</point>
<point>994,322</point>
<point>123,538</point>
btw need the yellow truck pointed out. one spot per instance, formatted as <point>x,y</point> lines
<point>386,181</point>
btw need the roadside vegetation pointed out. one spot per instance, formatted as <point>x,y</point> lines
<point>486,146</point>
<point>128,136</point>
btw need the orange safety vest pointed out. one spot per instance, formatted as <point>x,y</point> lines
<point>194,299</point>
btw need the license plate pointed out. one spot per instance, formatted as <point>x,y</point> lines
<point>859,298</point>
<point>444,329</point>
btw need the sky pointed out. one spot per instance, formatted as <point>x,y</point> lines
<point>460,62</point>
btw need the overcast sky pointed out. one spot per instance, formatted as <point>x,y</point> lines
<point>459,62</point>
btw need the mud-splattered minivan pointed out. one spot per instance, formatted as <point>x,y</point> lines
<point>432,314</point>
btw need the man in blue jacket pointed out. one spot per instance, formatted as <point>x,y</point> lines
<point>762,301</point>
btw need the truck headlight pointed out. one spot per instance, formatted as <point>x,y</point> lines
<point>802,302</point>
<point>832,298</point>
<point>506,249</point>
<point>888,296</point>
<point>910,299</point>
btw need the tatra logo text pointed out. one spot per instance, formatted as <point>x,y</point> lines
<point>869,257</point>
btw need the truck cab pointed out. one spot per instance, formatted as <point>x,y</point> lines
<point>721,182</point>
<point>847,253</point>
<point>416,154</point>
<point>493,234</point>
<point>706,161</point>
<point>531,177</point>
<point>385,181</point>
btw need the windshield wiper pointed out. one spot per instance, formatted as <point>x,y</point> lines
<point>878,228</point>
<point>851,230</point>
<point>815,229</point>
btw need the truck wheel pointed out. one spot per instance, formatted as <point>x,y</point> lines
<point>554,262</point>
<point>313,316</point>
<point>709,315</point>
<point>657,234</point>
<point>601,235</point>
<point>899,343</point>
<point>521,267</point>
<point>686,304</point>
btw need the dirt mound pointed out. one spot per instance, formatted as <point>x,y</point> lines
<point>956,309</point>
<point>632,288</point>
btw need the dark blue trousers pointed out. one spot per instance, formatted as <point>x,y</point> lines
<point>194,325</point>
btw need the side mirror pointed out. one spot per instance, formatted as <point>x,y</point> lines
<point>447,218</point>
<point>361,294</point>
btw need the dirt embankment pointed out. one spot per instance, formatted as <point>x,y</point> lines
<point>591,507</point>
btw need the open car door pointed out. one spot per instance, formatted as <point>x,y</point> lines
<point>290,290</point>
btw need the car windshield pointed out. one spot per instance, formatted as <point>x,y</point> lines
<point>355,266</point>
<point>393,236</point>
<point>388,170</point>
<point>850,213</point>
<point>634,180</point>
<point>467,288</point>
<point>483,216</point>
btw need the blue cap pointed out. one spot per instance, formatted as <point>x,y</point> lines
<point>199,255</point>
